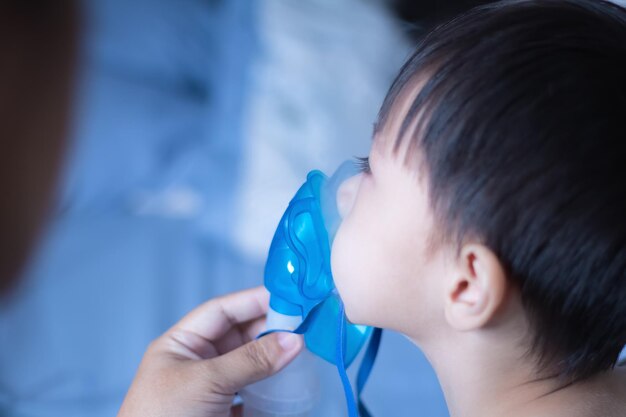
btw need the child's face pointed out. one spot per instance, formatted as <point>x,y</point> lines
<point>381,261</point>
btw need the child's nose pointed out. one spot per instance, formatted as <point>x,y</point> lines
<point>346,195</point>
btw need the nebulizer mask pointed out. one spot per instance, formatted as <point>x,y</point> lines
<point>304,300</point>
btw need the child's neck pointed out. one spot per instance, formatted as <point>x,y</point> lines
<point>488,378</point>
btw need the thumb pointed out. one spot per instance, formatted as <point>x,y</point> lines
<point>255,360</point>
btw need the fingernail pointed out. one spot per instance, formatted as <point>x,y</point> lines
<point>288,341</point>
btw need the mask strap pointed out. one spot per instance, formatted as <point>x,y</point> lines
<point>366,368</point>
<point>356,408</point>
<point>340,346</point>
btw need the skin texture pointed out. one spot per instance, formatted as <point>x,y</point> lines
<point>197,366</point>
<point>458,307</point>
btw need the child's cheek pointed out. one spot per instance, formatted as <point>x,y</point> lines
<point>340,265</point>
<point>348,271</point>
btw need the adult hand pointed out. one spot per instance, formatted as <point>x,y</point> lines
<point>197,366</point>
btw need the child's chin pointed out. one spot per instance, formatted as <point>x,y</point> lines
<point>350,316</point>
<point>353,315</point>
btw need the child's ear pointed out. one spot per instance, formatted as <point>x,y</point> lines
<point>476,288</point>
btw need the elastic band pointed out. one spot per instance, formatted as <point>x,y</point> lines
<point>341,366</point>
<point>366,368</point>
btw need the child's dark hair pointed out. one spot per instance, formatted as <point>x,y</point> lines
<point>521,126</point>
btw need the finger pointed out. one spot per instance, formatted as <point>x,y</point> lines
<point>189,345</point>
<point>216,317</point>
<point>253,361</point>
<point>255,328</point>
<point>239,335</point>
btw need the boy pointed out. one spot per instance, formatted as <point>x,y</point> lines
<point>488,222</point>
<point>487,226</point>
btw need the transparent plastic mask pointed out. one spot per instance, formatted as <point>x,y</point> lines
<point>298,271</point>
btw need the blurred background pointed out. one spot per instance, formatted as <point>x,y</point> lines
<point>195,121</point>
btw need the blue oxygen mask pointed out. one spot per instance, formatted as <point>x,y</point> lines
<point>304,298</point>
<point>298,273</point>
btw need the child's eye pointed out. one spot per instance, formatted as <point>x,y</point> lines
<point>362,164</point>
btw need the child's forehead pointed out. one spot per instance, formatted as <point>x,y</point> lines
<point>389,137</point>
